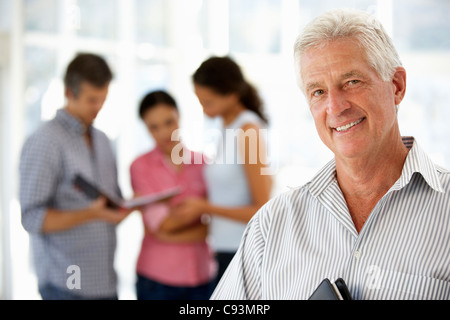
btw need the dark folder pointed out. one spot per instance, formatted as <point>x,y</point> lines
<point>91,191</point>
<point>331,291</point>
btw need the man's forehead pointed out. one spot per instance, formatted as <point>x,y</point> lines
<point>86,86</point>
<point>355,73</point>
<point>335,61</point>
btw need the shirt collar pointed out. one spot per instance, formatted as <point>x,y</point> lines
<point>417,161</point>
<point>161,157</point>
<point>71,123</point>
<point>158,153</point>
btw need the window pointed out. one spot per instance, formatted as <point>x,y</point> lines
<point>36,21</point>
<point>154,44</point>
<point>255,27</point>
<point>421,25</point>
<point>97,19</point>
<point>152,22</point>
<point>40,67</point>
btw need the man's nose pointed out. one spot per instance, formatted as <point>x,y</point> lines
<point>337,102</point>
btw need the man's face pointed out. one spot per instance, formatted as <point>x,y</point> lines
<point>353,108</point>
<point>88,103</point>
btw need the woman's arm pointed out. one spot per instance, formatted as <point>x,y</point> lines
<point>174,228</point>
<point>178,223</point>
<point>194,233</point>
<point>254,150</point>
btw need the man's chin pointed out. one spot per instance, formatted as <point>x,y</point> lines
<point>348,151</point>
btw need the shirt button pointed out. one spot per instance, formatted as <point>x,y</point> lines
<point>357,254</point>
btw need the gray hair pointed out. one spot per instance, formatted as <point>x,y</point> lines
<point>358,25</point>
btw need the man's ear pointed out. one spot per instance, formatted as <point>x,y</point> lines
<point>399,82</point>
<point>68,93</point>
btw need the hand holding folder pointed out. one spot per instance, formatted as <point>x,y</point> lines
<point>93,193</point>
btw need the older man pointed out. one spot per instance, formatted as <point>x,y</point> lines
<point>377,215</point>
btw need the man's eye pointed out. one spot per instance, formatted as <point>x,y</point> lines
<point>318,93</point>
<point>353,81</point>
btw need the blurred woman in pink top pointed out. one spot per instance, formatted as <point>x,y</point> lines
<point>175,261</point>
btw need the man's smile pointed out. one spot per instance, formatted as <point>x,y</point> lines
<point>349,126</point>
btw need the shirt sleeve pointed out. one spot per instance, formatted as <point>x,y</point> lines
<point>242,279</point>
<point>139,176</point>
<point>39,167</point>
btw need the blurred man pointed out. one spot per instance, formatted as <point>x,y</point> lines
<point>73,237</point>
<point>378,214</point>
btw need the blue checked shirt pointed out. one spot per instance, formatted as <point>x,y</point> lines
<point>49,162</point>
<point>307,234</point>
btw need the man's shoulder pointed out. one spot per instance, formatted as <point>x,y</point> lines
<point>100,133</point>
<point>292,192</point>
<point>47,133</point>
<point>288,202</point>
<point>443,171</point>
<point>444,176</point>
<point>318,182</point>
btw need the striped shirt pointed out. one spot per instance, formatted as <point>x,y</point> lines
<point>50,159</point>
<point>305,235</point>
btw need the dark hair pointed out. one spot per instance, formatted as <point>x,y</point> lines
<point>154,98</point>
<point>87,67</point>
<point>224,76</point>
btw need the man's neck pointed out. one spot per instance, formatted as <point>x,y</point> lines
<point>365,181</point>
<point>86,127</point>
<point>76,115</point>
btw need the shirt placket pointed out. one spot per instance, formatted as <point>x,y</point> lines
<point>170,170</point>
<point>96,169</point>
<point>361,275</point>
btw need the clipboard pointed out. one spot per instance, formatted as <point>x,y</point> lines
<point>92,192</point>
